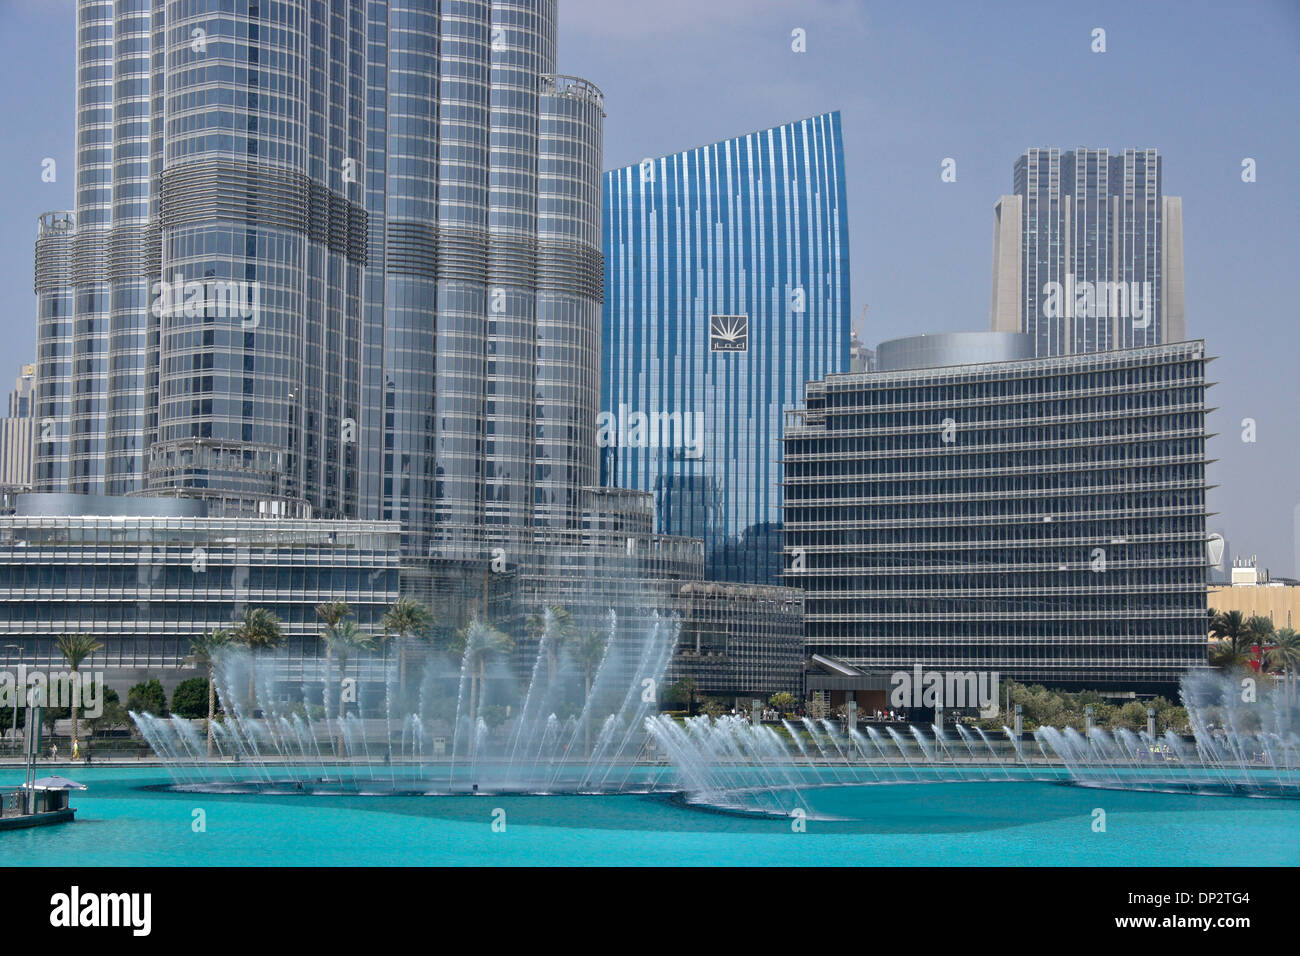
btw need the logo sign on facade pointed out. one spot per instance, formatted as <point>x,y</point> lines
<point>729,333</point>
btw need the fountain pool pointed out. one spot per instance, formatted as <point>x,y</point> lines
<point>131,816</point>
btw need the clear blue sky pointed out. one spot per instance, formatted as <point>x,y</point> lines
<point>1206,83</point>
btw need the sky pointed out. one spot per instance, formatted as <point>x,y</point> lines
<point>1208,84</point>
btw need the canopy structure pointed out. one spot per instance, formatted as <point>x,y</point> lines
<point>55,783</point>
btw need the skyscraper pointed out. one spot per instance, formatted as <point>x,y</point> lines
<point>726,288</point>
<point>482,183</point>
<point>16,433</point>
<point>343,260</point>
<point>1088,252</point>
<point>213,267</point>
<point>338,259</point>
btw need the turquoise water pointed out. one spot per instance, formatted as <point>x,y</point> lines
<point>120,822</point>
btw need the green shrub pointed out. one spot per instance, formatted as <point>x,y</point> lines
<point>149,698</point>
<point>190,698</point>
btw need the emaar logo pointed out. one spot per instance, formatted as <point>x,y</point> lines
<point>729,333</point>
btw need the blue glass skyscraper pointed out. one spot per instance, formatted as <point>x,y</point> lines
<point>726,289</point>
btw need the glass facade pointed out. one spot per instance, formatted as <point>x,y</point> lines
<point>143,585</point>
<point>740,640</point>
<point>726,289</point>
<point>339,257</point>
<point>1041,518</point>
<point>344,260</point>
<point>482,185</point>
<point>199,328</point>
<point>1099,248</point>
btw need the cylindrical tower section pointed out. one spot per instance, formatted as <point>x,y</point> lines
<point>399,468</point>
<point>127,252</point>
<point>262,244</point>
<point>522,49</point>
<point>570,278</point>
<point>53,386</point>
<point>88,413</point>
<point>461,363</point>
<point>153,233</point>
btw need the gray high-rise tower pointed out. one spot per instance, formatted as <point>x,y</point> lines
<point>334,258</point>
<point>199,330</point>
<point>1088,252</point>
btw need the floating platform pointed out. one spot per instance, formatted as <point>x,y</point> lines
<point>37,819</point>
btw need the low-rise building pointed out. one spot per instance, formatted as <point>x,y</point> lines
<point>1254,592</point>
<point>737,640</point>
<point>143,575</point>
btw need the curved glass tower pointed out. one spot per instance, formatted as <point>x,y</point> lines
<point>727,289</point>
<point>483,184</point>
<point>260,201</point>
<point>339,259</point>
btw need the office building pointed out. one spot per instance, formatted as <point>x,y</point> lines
<point>1088,252</point>
<point>1042,518</point>
<point>17,433</point>
<point>740,641</point>
<point>143,575</point>
<point>726,288</point>
<point>339,260</point>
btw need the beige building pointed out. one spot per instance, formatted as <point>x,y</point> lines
<point>1253,592</point>
<point>17,433</point>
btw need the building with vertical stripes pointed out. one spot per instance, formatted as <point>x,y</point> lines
<point>726,289</point>
<point>17,433</point>
<point>336,259</point>
<point>199,308</point>
<point>1088,252</point>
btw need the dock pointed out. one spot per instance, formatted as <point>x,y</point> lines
<point>21,808</point>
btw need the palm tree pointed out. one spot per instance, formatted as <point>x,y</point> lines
<point>346,640</point>
<point>1233,638</point>
<point>205,647</point>
<point>75,648</point>
<point>1229,657</point>
<point>404,618</point>
<point>480,641</point>
<point>258,628</point>
<point>564,631</point>
<point>555,627</point>
<point>1260,630</point>
<point>1284,655</point>
<point>588,651</point>
<point>330,614</point>
<point>1229,626</point>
